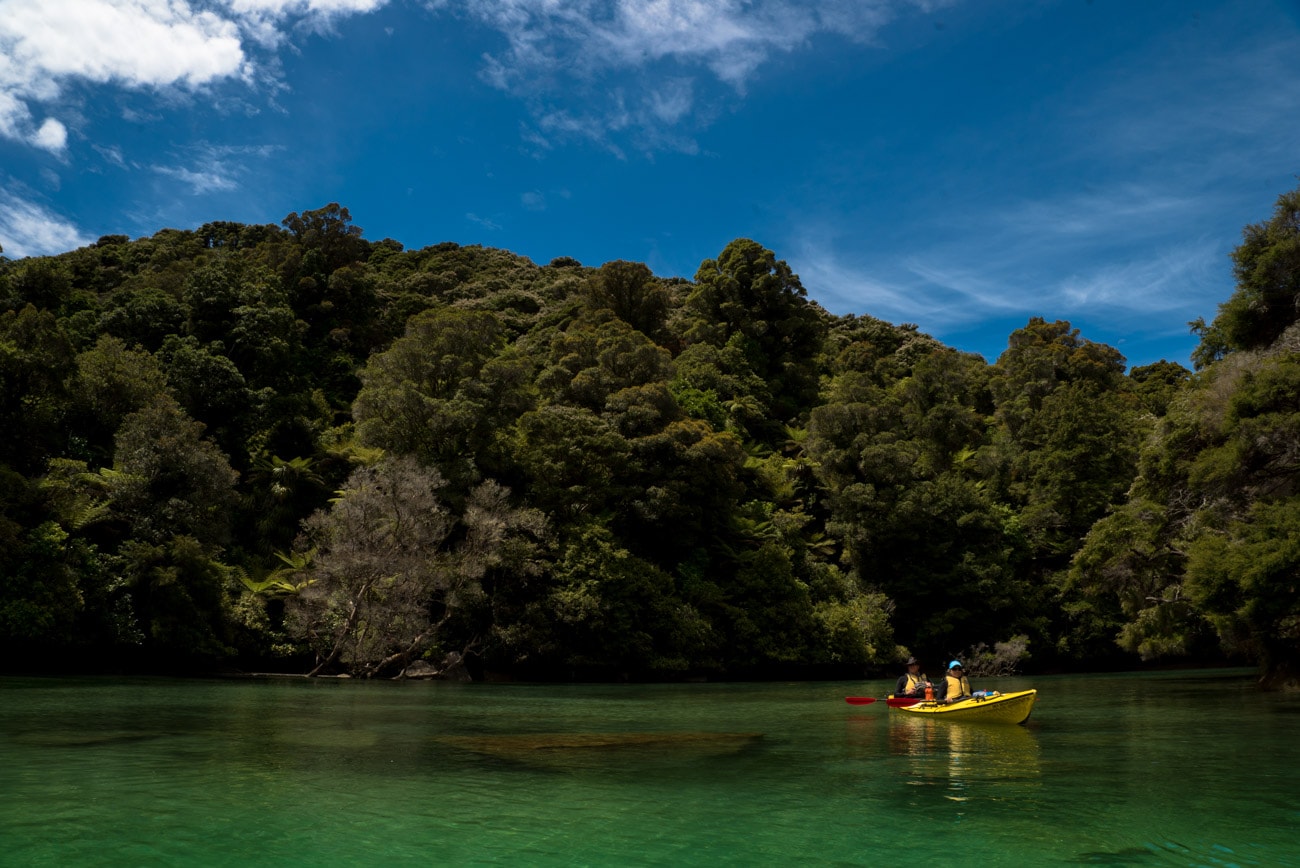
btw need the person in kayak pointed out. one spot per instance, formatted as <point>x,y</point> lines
<point>913,683</point>
<point>956,686</point>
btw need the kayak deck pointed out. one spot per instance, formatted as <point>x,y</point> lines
<point>1003,708</point>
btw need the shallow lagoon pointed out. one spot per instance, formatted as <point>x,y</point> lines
<point>1166,769</point>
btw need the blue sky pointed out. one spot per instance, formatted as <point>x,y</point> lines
<point>959,164</point>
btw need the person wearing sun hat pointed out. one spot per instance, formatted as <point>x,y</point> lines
<point>956,685</point>
<point>912,683</point>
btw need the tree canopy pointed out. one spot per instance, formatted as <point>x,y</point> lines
<point>292,446</point>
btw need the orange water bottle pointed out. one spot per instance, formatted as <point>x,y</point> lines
<point>929,692</point>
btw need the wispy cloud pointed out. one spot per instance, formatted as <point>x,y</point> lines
<point>1149,285</point>
<point>1224,104</point>
<point>1153,170</point>
<point>200,181</point>
<point>846,288</point>
<point>486,222</point>
<point>111,154</point>
<point>1125,208</point>
<point>30,229</point>
<point>209,168</point>
<point>1020,260</point>
<point>640,65</point>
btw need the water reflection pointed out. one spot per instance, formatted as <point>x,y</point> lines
<point>960,755</point>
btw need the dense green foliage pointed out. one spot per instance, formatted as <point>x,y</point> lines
<point>293,446</point>
<point>1205,553</point>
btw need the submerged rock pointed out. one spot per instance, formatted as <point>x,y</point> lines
<point>574,748</point>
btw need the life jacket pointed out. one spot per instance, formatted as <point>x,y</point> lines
<point>915,682</point>
<point>958,687</point>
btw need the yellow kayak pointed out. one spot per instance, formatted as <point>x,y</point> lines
<point>1002,708</point>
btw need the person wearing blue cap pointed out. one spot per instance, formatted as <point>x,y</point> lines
<point>956,685</point>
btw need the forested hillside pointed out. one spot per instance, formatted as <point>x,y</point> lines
<point>292,447</point>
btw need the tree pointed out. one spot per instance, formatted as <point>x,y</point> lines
<point>612,611</point>
<point>329,232</point>
<point>42,596</point>
<point>1265,302</point>
<point>575,462</point>
<point>1247,581</point>
<point>1157,384</point>
<point>630,290</point>
<point>170,480</point>
<point>1064,448</point>
<point>904,471</point>
<point>595,358</point>
<point>174,492</point>
<point>211,389</point>
<point>1040,358</point>
<point>36,360</point>
<point>1205,542</point>
<point>752,300</point>
<point>388,579</point>
<point>441,393</point>
<point>111,382</point>
<point>143,317</point>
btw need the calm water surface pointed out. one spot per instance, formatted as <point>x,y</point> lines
<point>1168,769</point>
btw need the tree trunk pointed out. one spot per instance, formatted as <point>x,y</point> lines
<point>404,656</point>
<point>343,634</point>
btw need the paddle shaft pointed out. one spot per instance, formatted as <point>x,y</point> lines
<point>892,701</point>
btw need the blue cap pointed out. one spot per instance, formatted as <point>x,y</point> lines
<point>956,664</point>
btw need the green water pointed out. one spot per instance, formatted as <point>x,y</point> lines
<point>1169,769</point>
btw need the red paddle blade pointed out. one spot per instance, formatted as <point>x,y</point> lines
<point>859,700</point>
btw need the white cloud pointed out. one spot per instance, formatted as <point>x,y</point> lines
<point>16,122</point>
<point>52,136</point>
<point>46,45</point>
<point>555,50</point>
<point>28,229</point>
<point>263,20</point>
<point>102,40</point>
<point>287,8</point>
